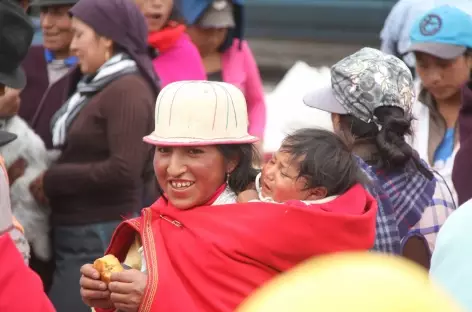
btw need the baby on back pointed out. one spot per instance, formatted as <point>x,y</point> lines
<point>312,166</point>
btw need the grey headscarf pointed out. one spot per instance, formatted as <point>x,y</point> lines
<point>363,82</point>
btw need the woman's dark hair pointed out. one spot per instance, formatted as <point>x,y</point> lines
<point>389,137</point>
<point>468,53</point>
<point>324,160</point>
<point>244,173</point>
<point>228,42</point>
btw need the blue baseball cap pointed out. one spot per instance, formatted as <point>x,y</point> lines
<point>445,32</point>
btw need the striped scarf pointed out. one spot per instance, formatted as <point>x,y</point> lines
<point>116,67</point>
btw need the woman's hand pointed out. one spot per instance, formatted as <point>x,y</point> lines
<point>127,289</point>
<point>94,292</point>
<point>9,103</point>
<point>247,196</point>
<point>37,190</point>
<point>17,170</point>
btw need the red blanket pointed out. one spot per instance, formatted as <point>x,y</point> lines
<point>21,289</point>
<point>212,257</point>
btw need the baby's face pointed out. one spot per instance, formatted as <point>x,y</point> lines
<point>280,179</point>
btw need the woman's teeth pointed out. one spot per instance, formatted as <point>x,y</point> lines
<point>181,184</point>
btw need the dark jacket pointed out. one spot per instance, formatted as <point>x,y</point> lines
<point>100,174</point>
<point>39,101</point>
<point>462,171</point>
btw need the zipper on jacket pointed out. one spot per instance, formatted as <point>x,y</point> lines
<point>174,222</point>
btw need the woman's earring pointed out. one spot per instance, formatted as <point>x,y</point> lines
<point>107,55</point>
<point>227,177</point>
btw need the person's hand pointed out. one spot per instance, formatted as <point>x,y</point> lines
<point>37,190</point>
<point>94,292</point>
<point>10,102</point>
<point>127,289</point>
<point>247,196</point>
<point>16,170</point>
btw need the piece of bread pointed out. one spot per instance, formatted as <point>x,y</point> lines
<point>107,265</point>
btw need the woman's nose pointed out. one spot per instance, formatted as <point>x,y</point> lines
<point>435,76</point>
<point>176,166</point>
<point>73,46</point>
<point>155,4</point>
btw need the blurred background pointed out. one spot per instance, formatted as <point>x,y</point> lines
<point>294,43</point>
<point>317,32</point>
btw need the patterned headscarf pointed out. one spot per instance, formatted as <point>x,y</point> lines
<point>369,79</point>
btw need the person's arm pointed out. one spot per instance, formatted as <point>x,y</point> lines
<point>256,107</point>
<point>18,237</point>
<point>129,116</point>
<point>450,264</point>
<point>462,169</point>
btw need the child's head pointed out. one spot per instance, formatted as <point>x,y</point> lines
<point>311,164</point>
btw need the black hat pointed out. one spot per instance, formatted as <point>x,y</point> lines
<point>6,137</point>
<point>16,34</point>
<point>53,2</point>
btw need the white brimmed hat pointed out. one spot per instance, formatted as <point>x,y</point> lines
<point>192,113</point>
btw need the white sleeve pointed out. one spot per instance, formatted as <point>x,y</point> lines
<point>452,257</point>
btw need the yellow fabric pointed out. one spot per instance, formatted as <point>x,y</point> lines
<point>133,258</point>
<point>355,282</point>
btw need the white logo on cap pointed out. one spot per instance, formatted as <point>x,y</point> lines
<point>430,25</point>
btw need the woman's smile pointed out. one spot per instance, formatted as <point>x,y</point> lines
<point>181,185</point>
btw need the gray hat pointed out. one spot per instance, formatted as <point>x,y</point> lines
<point>218,15</point>
<point>40,3</point>
<point>364,81</point>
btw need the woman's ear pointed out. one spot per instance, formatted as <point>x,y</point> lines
<point>468,57</point>
<point>317,193</point>
<point>336,122</point>
<point>108,44</point>
<point>231,165</point>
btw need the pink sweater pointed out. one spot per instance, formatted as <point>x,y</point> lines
<point>240,69</point>
<point>181,62</point>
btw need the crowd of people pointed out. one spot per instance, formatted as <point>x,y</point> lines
<point>135,129</point>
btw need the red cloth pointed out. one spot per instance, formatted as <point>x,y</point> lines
<point>165,38</point>
<point>21,289</point>
<point>212,257</point>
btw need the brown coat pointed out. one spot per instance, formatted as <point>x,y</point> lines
<point>99,176</point>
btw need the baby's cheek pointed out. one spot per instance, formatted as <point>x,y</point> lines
<point>283,193</point>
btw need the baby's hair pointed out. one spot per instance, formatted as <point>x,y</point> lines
<point>324,160</point>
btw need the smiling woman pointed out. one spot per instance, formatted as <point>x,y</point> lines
<point>195,249</point>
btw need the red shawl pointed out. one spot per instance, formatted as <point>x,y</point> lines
<point>211,258</point>
<point>165,38</point>
<point>22,289</point>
